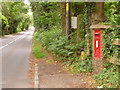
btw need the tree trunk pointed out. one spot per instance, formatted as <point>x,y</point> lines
<point>63,16</point>
<point>78,28</point>
<point>98,15</point>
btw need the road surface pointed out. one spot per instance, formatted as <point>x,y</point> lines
<point>15,59</point>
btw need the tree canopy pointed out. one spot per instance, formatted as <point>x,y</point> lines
<point>17,15</point>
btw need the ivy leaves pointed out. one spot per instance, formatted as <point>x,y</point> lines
<point>109,36</point>
<point>108,77</point>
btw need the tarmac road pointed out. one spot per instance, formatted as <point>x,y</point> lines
<point>15,59</point>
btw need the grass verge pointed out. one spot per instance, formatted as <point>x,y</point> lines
<point>37,49</point>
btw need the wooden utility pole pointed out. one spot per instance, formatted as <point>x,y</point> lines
<point>68,19</point>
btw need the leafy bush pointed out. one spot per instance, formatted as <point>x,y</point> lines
<point>19,27</point>
<point>46,14</point>
<point>112,13</point>
<point>16,13</point>
<point>49,36</point>
<point>4,24</point>
<point>67,51</point>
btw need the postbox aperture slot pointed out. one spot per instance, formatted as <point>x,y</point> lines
<point>96,34</point>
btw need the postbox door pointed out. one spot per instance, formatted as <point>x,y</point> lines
<point>97,44</point>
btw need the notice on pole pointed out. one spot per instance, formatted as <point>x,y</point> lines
<point>74,22</point>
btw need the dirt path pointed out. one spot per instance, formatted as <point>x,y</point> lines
<point>52,75</point>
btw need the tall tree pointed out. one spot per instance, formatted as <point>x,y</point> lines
<point>46,14</point>
<point>98,14</point>
<point>16,12</point>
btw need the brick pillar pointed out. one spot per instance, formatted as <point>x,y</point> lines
<point>97,61</point>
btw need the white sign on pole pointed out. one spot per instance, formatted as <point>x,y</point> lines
<point>74,22</point>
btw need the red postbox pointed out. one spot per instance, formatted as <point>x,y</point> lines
<point>97,38</point>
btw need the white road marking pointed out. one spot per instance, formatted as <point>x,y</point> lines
<point>4,46</point>
<point>11,42</point>
<point>36,81</point>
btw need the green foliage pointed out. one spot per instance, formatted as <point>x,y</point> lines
<point>37,52</point>
<point>112,11</point>
<point>4,25</point>
<point>24,24</point>
<point>109,76</point>
<point>19,27</point>
<point>113,17</point>
<point>75,64</point>
<point>67,51</point>
<point>4,22</point>
<point>49,36</point>
<point>46,14</point>
<point>17,15</point>
<point>36,48</point>
<point>109,36</point>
